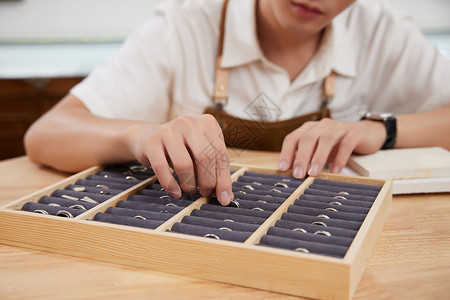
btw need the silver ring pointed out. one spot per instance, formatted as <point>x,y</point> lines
<point>331,209</point>
<point>88,200</point>
<point>235,202</point>
<point>78,206</point>
<point>212,235</point>
<point>164,211</point>
<point>340,197</point>
<point>225,228</point>
<point>102,186</point>
<point>102,192</point>
<point>322,232</point>
<point>138,168</point>
<point>242,192</point>
<point>164,196</point>
<point>286,179</point>
<point>319,223</point>
<point>248,187</point>
<point>106,176</point>
<point>344,193</point>
<point>268,196</point>
<point>41,211</point>
<point>53,204</point>
<point>78,188</point>
<point>258,208</point>
<point>300,229</point>
<point>275,190</point>
<point>335,203</point>
<point>304,250</point>
<point>256,182</point>
<point>323,216</point>
<point>131,178</point>
<point>261,201</point>
<point>171,204</point>
<point>228,220</point>
<point>140,217</point>
<point>64,213</point>
<point>282,184</point>
<point>70,197</point>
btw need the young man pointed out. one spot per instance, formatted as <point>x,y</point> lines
<point>147,103</point>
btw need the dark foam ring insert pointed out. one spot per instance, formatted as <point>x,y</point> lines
<point>254,205</point>
<point>104,184</point>
<point>129,177</point>
<point>326,213</point>
<point>52,210</point>
<point>336,201</point>
<point>218,224</point>
<point>81,196</point>
<point>238,190</point>
<point>227,217</point>
<point>311,191</point>
<point>311,228</point>
<point>236,211</point>
<point>162,201</point>
<point>338,189</point>
<point>319,236</point>
<point>66,203</point>
<point>139,214</point>
<point>110,179</point>
<point>352,225</point>
<point>129,221</point>
<point>252,186</point>
<point>303,246</point>
<point>331,207</point>
<point>259,198</point>
<point>149,206</point>
<point>131,168</point>
<point>269,181</point>
<point>279,177</point>
<point>218,234</point>
<point>154,193</point>
<point>357,186</point>
<point>92,189</point>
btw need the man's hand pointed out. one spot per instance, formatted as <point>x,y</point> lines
<point>307,149</point>
<point>193,147</point>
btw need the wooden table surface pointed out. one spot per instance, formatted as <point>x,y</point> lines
<point>411,259</point>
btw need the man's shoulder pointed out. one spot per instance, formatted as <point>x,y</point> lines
<point>190,8</point>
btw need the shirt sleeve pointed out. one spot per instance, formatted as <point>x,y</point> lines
<point>135,83</point>
<point>412,75</point>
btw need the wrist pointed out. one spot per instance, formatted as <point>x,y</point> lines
<point>390,125</point>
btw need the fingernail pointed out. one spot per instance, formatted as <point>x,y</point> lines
<point>335,169</point>
<point>298,172</point>
<point>314,170</point>
<point>283,165</point>
<point>175,193</point>
<point>225,198</point>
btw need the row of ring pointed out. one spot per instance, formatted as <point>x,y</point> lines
<point>215,236</point>
<point>60,213</point>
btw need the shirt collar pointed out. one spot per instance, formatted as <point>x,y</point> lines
<point>241,45</point>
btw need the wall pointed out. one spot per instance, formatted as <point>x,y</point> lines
<point>114,19</point>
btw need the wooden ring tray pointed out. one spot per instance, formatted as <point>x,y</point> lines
<point>242,263</point>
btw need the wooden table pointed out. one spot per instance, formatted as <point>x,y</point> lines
<point>411,259</point>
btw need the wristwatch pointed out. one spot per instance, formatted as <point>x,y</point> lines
<point>390,121</point>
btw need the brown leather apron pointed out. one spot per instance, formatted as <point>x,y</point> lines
<point>257,134</point>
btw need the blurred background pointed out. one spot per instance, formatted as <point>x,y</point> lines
<point>47,46</point>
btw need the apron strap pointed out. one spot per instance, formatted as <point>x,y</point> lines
<point>220,94</point>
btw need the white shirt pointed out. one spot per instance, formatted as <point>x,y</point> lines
<point>166,68</point>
